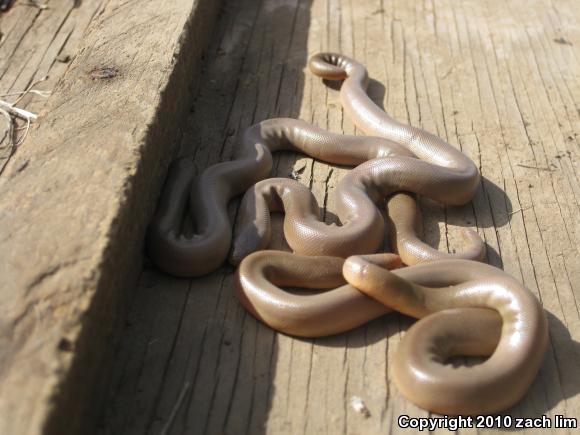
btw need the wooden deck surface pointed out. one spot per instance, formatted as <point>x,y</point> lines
<point>37,43</point>
<point>500,80</point>
<point>76,195</point>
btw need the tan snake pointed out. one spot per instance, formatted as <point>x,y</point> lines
<point>387,165</point>
<point>472,309</point>
<point>442,173</point>
<point>209,194</point>
<point>466,307</point>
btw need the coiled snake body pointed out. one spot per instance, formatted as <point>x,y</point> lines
<point>210,193</point>
<point>442,173</point>
<point>467,308</point>
<point>388,164</point>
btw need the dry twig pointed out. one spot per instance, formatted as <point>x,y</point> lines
<point>10,112</point>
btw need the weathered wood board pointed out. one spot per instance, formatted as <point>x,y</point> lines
<point>500,80</point>
<point>38,43</point>
<point>76,196</point>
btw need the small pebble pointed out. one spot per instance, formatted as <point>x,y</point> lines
<point>359,406</point>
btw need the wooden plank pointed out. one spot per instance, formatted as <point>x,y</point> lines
<point>71,238</point>
<point>498,80</point>
<point>36,44</point>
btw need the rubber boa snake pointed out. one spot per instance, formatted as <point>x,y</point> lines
<point>388,164</point>
<point>467,299</point>
<point>442,173</point>
<point>209,194</point>
<point>466,308</point>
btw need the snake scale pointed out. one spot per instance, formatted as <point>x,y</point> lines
<point>465,307</point>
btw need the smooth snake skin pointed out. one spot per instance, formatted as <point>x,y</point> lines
<point>387,165</point>
<point>209,194</point>
<point>466,308</point>
<point>442,173</point>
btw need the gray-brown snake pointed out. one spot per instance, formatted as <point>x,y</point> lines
<point>468,308</point>
<point>387,165</point>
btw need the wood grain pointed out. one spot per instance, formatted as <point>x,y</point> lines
<point>500,80</point>
<point>76,196</point>
<point>37,43</point>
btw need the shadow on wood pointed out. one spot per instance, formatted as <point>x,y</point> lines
<point>191,360</point>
